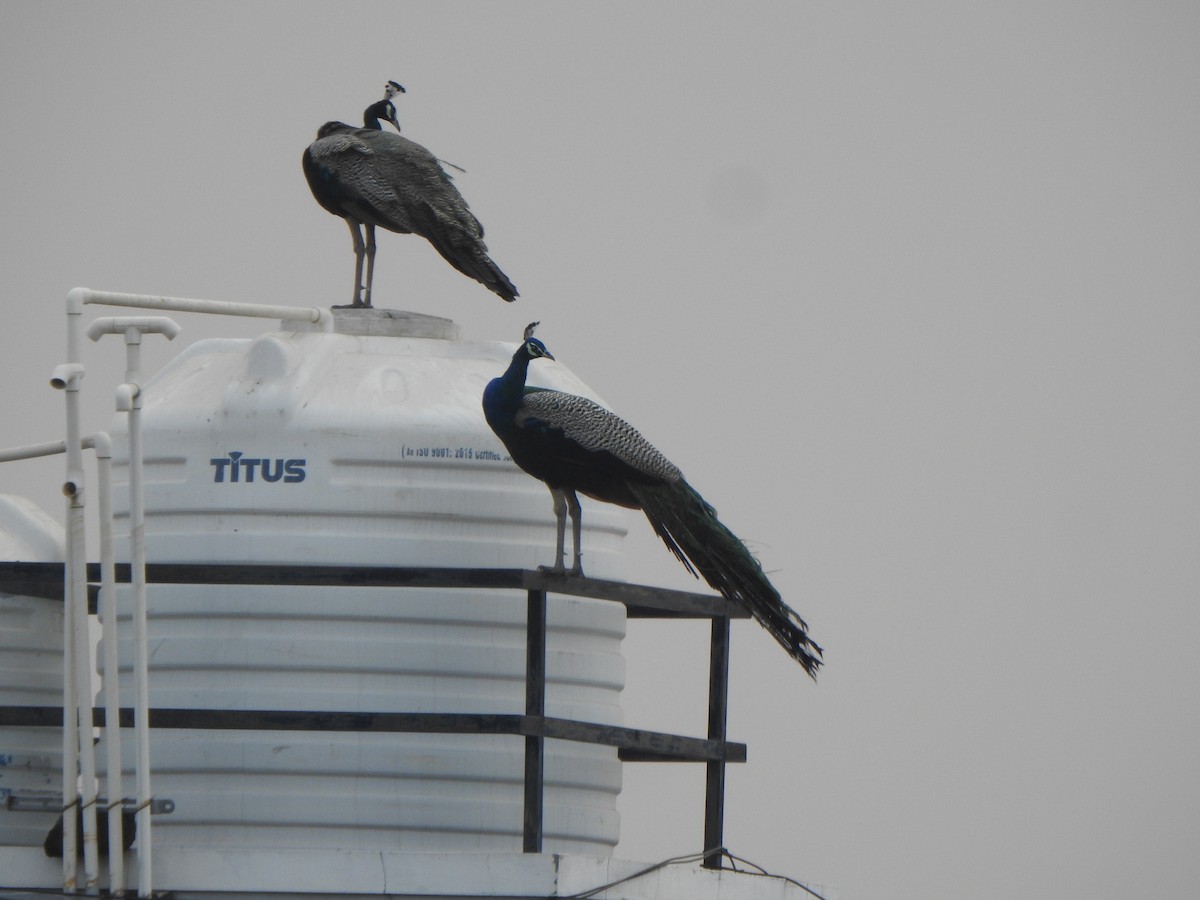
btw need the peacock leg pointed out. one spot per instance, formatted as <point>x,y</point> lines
<point>560,520</point>
<point>370,250</point>
<point>576,532</point>
<point>356,236</point>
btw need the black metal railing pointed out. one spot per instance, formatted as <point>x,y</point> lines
<point>633,745</point>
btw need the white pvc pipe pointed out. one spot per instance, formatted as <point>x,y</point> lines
<point>82,650</point>
<point>141,663</point>
<point>141,324</point>
<point>102,445</point>
<point>80,296</point>
<point>70,745</point>
<point>32,451</point>
<point>78,750</point>
<point>66,377</point>
<point>129,397</point>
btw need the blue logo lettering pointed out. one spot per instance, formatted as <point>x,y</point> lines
<point>237,468</point>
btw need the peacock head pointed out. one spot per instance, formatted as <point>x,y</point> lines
<point>381,109</point>
<point>533,348</point>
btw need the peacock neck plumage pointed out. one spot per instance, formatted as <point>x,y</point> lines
<point>383,109</point>
<point>502,397</point>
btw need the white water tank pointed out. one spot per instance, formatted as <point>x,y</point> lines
<point>31,673</point>
<point>366,446</point>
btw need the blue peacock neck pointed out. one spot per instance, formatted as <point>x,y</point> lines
<point>502,397</point>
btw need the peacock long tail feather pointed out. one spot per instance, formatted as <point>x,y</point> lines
<point>688,525</point>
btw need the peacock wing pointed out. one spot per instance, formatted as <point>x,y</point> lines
<point>594,429</point>
<point>346,174</point>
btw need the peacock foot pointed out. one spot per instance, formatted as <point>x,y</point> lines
<point>575,571</point>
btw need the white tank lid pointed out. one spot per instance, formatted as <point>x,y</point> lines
<point>384,323</point>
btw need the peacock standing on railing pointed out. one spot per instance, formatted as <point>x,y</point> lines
<point>577,446</point>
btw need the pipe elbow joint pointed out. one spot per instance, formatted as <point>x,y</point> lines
<point>324,319</point>
<point>127,396</point>
<point>101,443</point>
<point>133,327</point>
<point>66,377</point>
<point>76,298</point>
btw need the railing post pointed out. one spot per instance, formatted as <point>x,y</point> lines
<point>718,702</point>
<point>535,711</point>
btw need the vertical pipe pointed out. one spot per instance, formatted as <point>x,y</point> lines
<point>76,703</point>
<point>81,647</point>
<point>70,745</point>
<point>129,400</point>
<point>77,715</point>
<point>137,543</point>
<point>74,590</point>
<point>112,698</point>
<point>75,300</point>
<point>67,378</point>
<point>718,703</point>
<point>535,710</point>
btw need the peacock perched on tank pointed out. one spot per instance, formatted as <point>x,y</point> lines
<point>578,447</point>
<point>371,177</point>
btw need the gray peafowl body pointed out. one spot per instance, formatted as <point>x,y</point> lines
<point>577,446</point>
<point>371,178</point>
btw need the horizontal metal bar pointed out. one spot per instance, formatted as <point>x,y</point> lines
<point>32,579</point>
<point>645,746</point>
<point>17,802</point>
<point>34,716</point>
<point>641,601</point>
<point>636,745</point>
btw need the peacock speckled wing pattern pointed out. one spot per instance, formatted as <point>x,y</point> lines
<point>390,181</point>
<point>595,428</point>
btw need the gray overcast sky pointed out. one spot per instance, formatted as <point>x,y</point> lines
<point>908,290</point>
